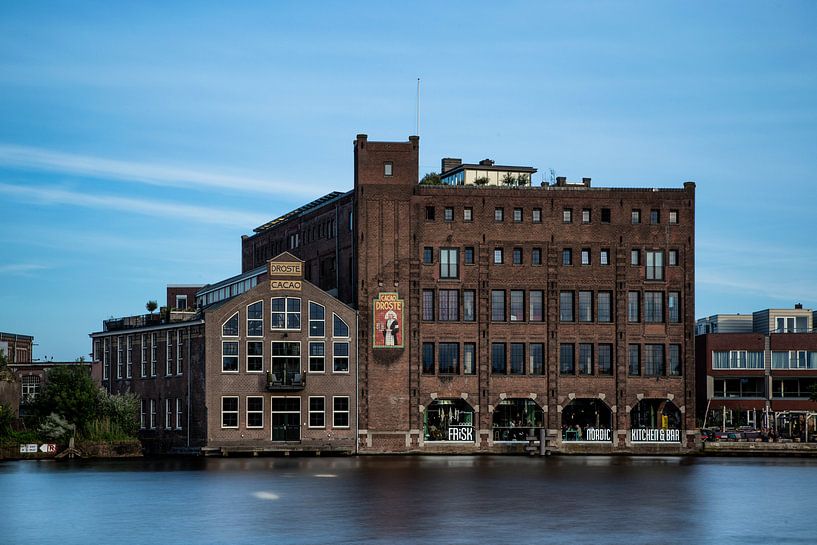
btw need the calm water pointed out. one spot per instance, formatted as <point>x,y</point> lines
<point>410,500</point>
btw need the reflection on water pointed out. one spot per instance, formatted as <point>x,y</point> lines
<point>418,499</point>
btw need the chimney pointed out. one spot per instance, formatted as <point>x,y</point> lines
<point>586,182</point>
<point>798,306</point>
<point>561,181</point>
<point>449,163</point>
<point>486,163</point>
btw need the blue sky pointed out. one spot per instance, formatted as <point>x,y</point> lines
<point>138,142</point>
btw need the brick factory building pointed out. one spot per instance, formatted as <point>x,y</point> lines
<point>493,315</point>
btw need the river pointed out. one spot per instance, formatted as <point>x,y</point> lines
<point>400,499</point>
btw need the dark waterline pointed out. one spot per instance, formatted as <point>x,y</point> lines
<point>410,500</point>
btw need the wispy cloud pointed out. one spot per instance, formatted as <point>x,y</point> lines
<point>56,196</point>
<point>143,173</point>
<point>768,288</point>
<point>21,268</point>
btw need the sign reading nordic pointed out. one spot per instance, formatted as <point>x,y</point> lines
<point>388,321</point>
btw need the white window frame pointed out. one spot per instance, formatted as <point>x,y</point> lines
<point>236,412</point>
<point>334,333</point>
<point>129,357</point>
<point>286,314</point>
<point>142,413</point>
<point>238,321</point>
<point>348,412</point>
<point>106,357</point>
<point>153,348</point>
<point>309,330</point>
<point>310,412</point>
<point>237,356</point>
<point>247,351</point>
<point>309,357</point>
<point>248,412</point>
<point>178,413</point>
<point>119,359</point>
<point>261,319</point>
<point>181,297</point>
<point>168,353</point>
<point>179,351</point>
<point>143,364</point>
<point>153,414</point>
<point>348,357</point>
<point>168,413</point>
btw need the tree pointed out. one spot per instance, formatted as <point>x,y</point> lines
<point>813,392</point>
<point>151,306</point>
<point>6,374</point>
<point>432,178</point>
<point>71,393</point>
<point>481,181</point>
<point>509,179</point>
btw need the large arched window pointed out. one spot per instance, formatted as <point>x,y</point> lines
<point>587,420</point>
<point>516,419</point>
<point>449,420</point>
<point>655,414</point>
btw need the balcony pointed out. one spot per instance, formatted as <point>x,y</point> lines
<point>131,322</point>
<point>285,380</point>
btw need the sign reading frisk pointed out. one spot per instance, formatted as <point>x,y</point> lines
<point>388,321</point>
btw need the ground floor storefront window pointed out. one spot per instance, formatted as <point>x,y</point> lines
<point>517,419</point>
<point>587,420</point>
<point>655,421</point>
<point>449,420</point>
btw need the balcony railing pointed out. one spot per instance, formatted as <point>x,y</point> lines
<point>285,380</point>
<point>130,322</point>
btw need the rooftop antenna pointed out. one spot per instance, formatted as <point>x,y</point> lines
<point>417,131</point>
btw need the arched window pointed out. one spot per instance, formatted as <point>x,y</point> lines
<point>317,323</point>
<point>339,327</point>
<point>255,319</point>
<point>449,420</point>
<point>230,327</point>
<point>655,414</point>
<point>587,420</point>
<point>517,419</point>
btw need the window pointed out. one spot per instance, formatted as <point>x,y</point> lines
<point>655,265</point>
<point>517,358</point>
<point>674,307</point>
<point>144,363</point>
<point>585,359</point>
<point>286,313</point>
<point>178,413</point>
<point>142,413</point>
<point>340,412</point>
<point>586,213</point>
<point>499,214</point>
<point>230,327</point>
<point>604,307</point>
<point>449,305</point>
<point>317,357</point>
<point>119,360</point>
<point>605,359</point>
<point>673,258</point>
<point>468,214</point>
<point>449,354</point>
<point>255,412</point>
<point>537,215</point>
<point>567,215</point>
<point>655,216</point>
<point>635,360</point>
<point>585,256</point>
<point>675,360</point>
<point>168,413</point>
<point>536,306</point>
<point>153,354</point>
<point>449,263</point>
<point>169,342</point>
<point>604,257</point>
<point>673,217</point>
<point>339,327</point>
<point>428,358</point>
<point>428,305</point>
<point>229,412</point>
<point>388,168</point>
<point>567,256</point>
<point>566,306</point>
<point>285,361</point>
<point>517,256</point>
<point>536,256</point>
<point>469,306</point>
<point>317,323</point>
<point>566,365</point>
<point>537,359</point>
<point>469,358</point>
<point>517,215</point>
<point>585,306</point>
<point>498,364</point>
<point>181,302</point>
<point>635,216</point>
<point>605,215</point>
<point>635,257</point>
<point>517,305</point>
<point>429,213</point>
<point>340,354</point>
<point>469,255</point>
<point>255,356</point>
<point>448,214</point>
<point>255,319</point>
<point>498,257</point>
<point>129,360</point>
<point>153,414</point>
<point>653,360</point>
<point>428,255</point>
<point>633,307</point>
<point>30,385</point>
<point>229,356</point>
<point>179,351</point>
<point>317,412</point>
<point>498,305</point>
<point>653,307</point>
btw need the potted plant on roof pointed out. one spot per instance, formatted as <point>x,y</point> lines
<point>509,179</point>
<point>481,181</point>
